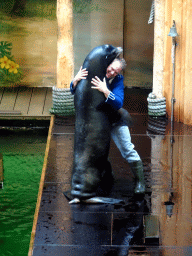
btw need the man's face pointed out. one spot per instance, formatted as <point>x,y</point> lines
<point>113,69</point>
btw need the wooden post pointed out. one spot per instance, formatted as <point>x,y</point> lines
<point>62,97</point>
<point>181,12</point>
<point>187,102</point>
<point>158,61</point>
<point>65,62</point>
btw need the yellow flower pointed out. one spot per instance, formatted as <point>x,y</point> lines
<point>5,62</point>
<point>13,67</point>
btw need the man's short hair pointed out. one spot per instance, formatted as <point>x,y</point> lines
<point>122,62</point>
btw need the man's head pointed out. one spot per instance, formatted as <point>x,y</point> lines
<point>115,67</point>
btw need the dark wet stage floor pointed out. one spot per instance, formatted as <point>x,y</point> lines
<point>157,224</point>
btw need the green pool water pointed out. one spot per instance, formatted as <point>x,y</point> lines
<point>23,156</point>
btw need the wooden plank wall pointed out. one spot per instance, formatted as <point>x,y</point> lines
<point>176,231</point>
<point>181,12</point>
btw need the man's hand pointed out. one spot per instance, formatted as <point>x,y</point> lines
<point>82,74</point>
<point>100,86</point>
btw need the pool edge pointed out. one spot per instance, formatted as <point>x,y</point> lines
<point>30,252</point>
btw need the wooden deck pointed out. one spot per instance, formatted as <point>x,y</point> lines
<point>25,102</point>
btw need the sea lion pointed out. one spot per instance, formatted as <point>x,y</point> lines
<point>92,126</point>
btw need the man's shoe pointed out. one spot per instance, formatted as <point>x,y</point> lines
<point>137,169</point>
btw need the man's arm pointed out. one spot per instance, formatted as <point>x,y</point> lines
<point>100,86</point>
<point>82,74</point>
<point>115,96</point>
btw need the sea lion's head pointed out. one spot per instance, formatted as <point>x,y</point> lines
<point>100,58</point>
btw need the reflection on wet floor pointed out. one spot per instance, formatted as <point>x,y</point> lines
<point>157,224</point>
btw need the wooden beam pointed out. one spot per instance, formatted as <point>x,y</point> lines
<point>158,61</point>
<point>9,98</point>
<point>167,83</point>
<point>9,113</point>
<point>179,87</point>
<point>65,62</point>
<point>181,12</point>
<point>188,64</point>
<point>23,99</point>
<point>48,102</point>
<point>1,93</point>
<point>174,13</point>
<point>182,41</point>
<point>36,105</point>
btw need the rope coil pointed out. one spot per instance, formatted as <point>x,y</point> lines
<point>152,13</point>
<point>156,125</point>
<point>63,102</point>
<point>156,106</point>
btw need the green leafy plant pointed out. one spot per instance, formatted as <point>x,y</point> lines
<point>10,72</point>
<point>5,49</point>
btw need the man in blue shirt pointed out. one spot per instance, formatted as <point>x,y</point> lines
<point>113,88</point>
